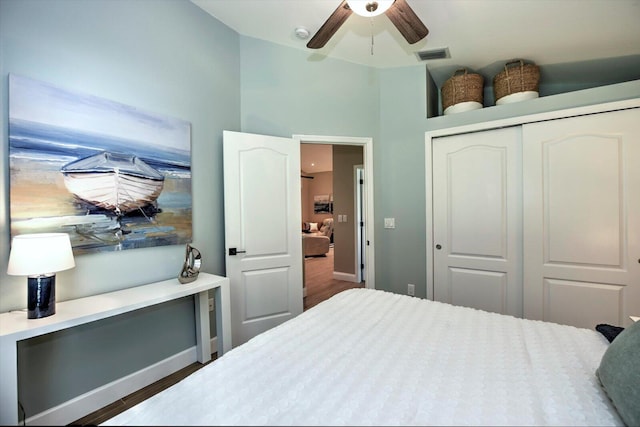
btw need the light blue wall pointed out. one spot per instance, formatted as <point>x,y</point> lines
<point>399,180</point>
<point>287,91</point>
<point>164,56</point>
<point>171,59</point>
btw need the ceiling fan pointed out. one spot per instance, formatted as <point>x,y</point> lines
<point>398,11</point>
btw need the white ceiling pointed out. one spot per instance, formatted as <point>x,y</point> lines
<point>480,34</point>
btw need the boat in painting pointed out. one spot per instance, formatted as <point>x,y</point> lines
<point>113,181</point>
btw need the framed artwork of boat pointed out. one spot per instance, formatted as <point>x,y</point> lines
<point>111,175</point>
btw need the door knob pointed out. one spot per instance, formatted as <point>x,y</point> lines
<point>438,247</point>
<point>234,251</point>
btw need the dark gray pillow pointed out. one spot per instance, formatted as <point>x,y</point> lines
<point>619,374</point>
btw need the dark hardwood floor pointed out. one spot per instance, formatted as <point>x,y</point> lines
<point>120,405</point>
<point>319,281</point>
<point>320,286</point>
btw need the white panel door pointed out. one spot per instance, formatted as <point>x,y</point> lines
<point>582,219</point>
<point>477,220</point>
<point>262,231</point>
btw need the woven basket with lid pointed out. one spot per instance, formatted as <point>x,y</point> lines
<point>462,86</point>
<point>516,77</point>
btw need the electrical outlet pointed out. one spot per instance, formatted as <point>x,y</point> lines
<point>210,304</point>
<point>411,289</point>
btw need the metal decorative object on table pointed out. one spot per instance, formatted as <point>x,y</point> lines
<point>191,266</point>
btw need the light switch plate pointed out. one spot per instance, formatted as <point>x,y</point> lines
<point>389,223</point>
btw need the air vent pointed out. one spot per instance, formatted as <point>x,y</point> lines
<point>426,55</point>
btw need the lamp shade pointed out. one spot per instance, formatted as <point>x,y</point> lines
<point>40,253</point>
<point>364,7</point>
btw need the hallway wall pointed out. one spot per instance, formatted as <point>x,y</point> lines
<point>345,157</point>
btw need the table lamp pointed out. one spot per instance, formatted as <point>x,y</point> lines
<point>39,256</point>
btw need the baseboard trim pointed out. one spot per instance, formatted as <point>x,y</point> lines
<point>100,397</point>
<point>347,277</point>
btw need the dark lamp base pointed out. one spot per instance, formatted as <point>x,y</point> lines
<point>41,296</point>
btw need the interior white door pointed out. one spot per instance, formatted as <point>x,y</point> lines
<point>477,220</point>
<point>262,231</point>
<point>582,219</point>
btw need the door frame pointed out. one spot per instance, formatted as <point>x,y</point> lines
<point>367,153</point>
<point>359,209</point>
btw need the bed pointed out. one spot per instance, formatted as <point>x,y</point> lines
<point>370,357</point>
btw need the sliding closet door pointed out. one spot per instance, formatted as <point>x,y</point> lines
<point>477,220</point>
<point>582,219</point>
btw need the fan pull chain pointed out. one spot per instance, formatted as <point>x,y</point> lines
<point>371,21</point>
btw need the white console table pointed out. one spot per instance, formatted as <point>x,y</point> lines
<point>14,325</point>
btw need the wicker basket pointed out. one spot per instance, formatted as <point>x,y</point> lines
<point>462,86</point>
<point>516,77</point>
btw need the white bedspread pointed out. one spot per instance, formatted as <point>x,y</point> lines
<point>369,357</point>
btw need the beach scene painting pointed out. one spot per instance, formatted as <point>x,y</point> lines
<point>111,175</point>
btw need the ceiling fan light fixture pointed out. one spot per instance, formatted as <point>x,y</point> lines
<point>369,8</point>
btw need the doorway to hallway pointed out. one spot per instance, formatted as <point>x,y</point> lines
<point>353,221</point>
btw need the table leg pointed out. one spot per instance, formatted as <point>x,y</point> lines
<point>223,317</point>
<point>9,383</point>
<point>203,336</point>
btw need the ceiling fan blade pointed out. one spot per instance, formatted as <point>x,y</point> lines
<point>330,26</point>
<point>407,22</point>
